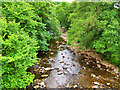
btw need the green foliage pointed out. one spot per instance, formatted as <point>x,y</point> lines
<point>26,29</point>
<point>95,26</point>
<point>62,14</point>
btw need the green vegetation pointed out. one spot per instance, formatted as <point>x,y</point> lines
<point>28,26</point>
<point>26,29</point>
<point>95,26</point>
<point>62,14</point>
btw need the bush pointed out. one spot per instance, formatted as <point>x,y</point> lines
<point>95,26</point>
<point>25,30</point>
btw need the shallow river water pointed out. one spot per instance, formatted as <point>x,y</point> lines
<point>62,68</point>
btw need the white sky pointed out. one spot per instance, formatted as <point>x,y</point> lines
<point>63,0</point>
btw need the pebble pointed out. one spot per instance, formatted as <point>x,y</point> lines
<point>51,53</point>
<point>97,61</point>
<point>107,84</point>
<point>95,86</point>
<point>57,42</point>
<point>99,66</point>
<point>87,63</point>
<point>64,67</point>
<point>73,64</point>
<point>92,75</point>
<point>48,69</point>
<point>59,73</point>
<point>65,73</point>
<point>62,61</point>
<point>75,86</point>
<point>63,56</point>
<point>96,83</point>
<point>84,68</point>
<point>44,75</point>
<point>37,86</point>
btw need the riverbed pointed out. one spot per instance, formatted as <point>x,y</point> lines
<point>61,67</point>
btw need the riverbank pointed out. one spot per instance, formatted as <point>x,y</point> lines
<point>92,54</point>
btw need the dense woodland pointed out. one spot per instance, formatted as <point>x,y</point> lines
<point>28,26</point>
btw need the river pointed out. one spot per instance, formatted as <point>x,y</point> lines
<point>60,67</point>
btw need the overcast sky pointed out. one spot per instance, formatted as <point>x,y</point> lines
<point>63,0</point>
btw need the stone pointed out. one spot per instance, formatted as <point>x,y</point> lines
<point>99,66</point>
<point>97,61</point>
<point>73,53</point>
<point>96,83</point>
<point>107,84</point>
<point>63,56</point>
<point>87,63</point>
<point>65,73</point>
<point>75,86</point>
<point>64,67</point>
<point>57,42</point>
<point>93,75</point>
<point>68,47</point>
<point>44,76</point>
<point>37,80</point>
<point>80,72</point>
<point>51,53</point>
<point>73,64</point>
<point>95,86</point>
<point>60,73</point>
<point>84,68</point>
<point>62,61</point>
<point>37,86</point>
<point>53,61</point>
<point>49,69</point>
<point>63,43</point>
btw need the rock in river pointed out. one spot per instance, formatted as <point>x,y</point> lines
<point>44,76</point>
<point>59,73</point>
<point>95,86</point>
<point>96,83</point>
<point>107,84</point>
<point>62,61</point>
<point>37,86</point>
<point>48,69</point>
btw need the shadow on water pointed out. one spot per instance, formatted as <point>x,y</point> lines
<point>61,68</point>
